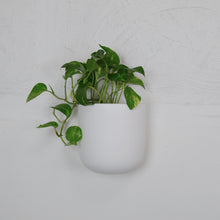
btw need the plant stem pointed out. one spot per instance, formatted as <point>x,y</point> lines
<point>116,93</point>
<point>61,138</point>
<point>106,90</point>
<point>91,95</point>
<point>112,90</point>
<point>56,116</point>
<point>62,127</point>
<point>72,82</point>
<point>60,97</point>
<point>99,81</point>
<point>61,130</point>
<point>92,88</point>
<point>65,89</point>
<point>101,92</point>
<point>73,92</point>
<point>122,89</point>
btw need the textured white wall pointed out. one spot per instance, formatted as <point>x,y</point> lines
<point>178,43</point>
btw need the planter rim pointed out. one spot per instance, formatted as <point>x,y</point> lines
<point>106,104</point>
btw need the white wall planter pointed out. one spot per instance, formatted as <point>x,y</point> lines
<point>114,137</point>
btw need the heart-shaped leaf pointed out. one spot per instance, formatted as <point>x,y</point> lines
<point>81,94</point>
<point>120,66</point>
<point>36,91</point>
<point>132,98</point>
<point>74,134</point>
<point>121,76</point>
<point>135,81</point>
<point>98,55</point>
<point>73,68</point>
<point>64,108</point>
<point>91,65</point>
<point>111,57</point>
<point>139,69</point>
<point>49,124</point>
<point>75,65</point>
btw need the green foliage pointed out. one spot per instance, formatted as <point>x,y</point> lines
<point>120,76</point>
<point>74,134</point>
<point>139,69</point>
<point>81,94</point>
<point>49,124</point>
<point>111,57</point>
<point>132,98</point>
<point>97,55</point>
<point>73,68</point>
<point>101,79</point>
<point>135,81</point>
<point>36,91</point>
<point>91,65</point>
<point>64,108</point>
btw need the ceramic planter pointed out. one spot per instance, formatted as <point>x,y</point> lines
<point>114,137</point>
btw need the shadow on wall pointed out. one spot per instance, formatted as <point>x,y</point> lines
<point>145,160</point>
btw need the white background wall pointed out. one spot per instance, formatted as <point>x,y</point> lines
<point>178,43</point>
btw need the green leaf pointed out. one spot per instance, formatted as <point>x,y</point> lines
<point>111,57</point>
<point>36,91</point>
<point>74,64</point>
<point>51,89</point>
<point>132,98</point>
<point>101,63</point>
<point>49,124</point>
<point>98,55</point>
<point>139,69</point>
<point>81,94</point>
<point>121,76</point>
<point>64,108</point>
<point>121,66</point>
<point>91,65</point>
<point>74,134</point>
<point>135,81</point>
<point>102,72</point>
<point>70,72</point>
<point>73,68</point>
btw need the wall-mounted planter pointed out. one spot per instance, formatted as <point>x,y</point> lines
<point>114,137</point>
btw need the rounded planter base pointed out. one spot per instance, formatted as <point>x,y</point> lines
<point>114,137</point>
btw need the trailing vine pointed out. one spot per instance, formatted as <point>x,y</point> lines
<point>102,80</point>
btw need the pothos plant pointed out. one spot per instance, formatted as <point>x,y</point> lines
<point>102,80</point>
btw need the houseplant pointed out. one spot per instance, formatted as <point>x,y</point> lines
<point>102,81</point>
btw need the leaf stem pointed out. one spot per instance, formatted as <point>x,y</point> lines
<point>56,116</point>
<point>65,89</point>
<point>122,89</point>
<point>61,130</point>
<point>56,96</point>
<point>106,90</point>
<point>72,93</point>
<point>61,138</point>
<point>63,141</point>
<point>62,127</point>
<point>72,82</point>
<point>116,93</point>
<point>95,91</point>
